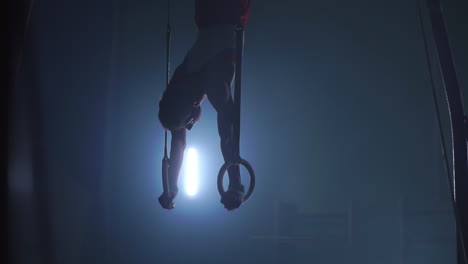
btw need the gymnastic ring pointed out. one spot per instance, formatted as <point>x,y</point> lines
<point>226,166</point>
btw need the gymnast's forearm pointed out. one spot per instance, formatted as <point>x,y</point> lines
<point>178,144</point>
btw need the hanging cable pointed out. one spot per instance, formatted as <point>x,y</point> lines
<point>441,132</point>
<point>237,91</point>
<point>436,103</point>
<point>165,160</point>
<point>168,61</point>
<point>19,59</point>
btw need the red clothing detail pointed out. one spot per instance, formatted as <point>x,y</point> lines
<point>209,12</point>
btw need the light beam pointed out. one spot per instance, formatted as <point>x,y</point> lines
<point>191,172</point>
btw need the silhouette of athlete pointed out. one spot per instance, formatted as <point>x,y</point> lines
<point>207,71</point>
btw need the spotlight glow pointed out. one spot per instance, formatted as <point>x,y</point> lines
<point>191,172</point>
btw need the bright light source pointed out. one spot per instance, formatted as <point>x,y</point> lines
<point>191,172</point>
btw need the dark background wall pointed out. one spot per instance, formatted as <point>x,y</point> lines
<point>337,119</point>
